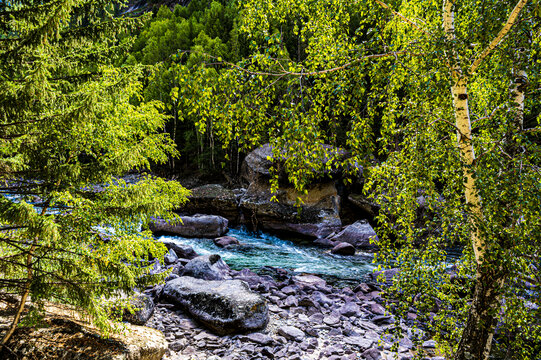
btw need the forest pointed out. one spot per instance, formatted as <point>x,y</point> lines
<point>270,179</point>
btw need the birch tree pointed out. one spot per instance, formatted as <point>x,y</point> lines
<point>453,88</point>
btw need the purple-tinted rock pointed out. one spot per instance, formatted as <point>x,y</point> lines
<point>377,309</point>
<point>291,332</point>
<point>359,234</point>
<point>343,248</point>
<point>371,354</point>
<point>226,241</point>
<point>182,251</point>
<point>260,338</point>
<point>208,267</point>
<point>291,301</point>
<point>350,309</point>
<point>226,307</point>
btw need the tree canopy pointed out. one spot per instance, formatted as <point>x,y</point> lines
<point>70,122</point>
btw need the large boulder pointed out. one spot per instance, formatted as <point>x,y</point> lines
<point>316,218</point>
<point>207,226</point>
<point>208,267</point>
<point>226,307</point>
<point>213,199</point>
<point>358,234</point>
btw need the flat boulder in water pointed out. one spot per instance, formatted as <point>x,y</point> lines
<point>359,234</point>
<point>226,307</point>
<point>207,226</point>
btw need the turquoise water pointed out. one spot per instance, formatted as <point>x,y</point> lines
<point>259,250</point>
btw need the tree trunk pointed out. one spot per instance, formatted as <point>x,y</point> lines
<point>476,340</point>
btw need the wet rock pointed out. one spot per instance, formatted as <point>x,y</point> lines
<point>208,267</point>
<point>291,332</point>
<point>343,248</point>
<point>358,234</point>
<point>209,226</point>
<point>224,306</point>
<point>181,250</point>
<point>226,241</point>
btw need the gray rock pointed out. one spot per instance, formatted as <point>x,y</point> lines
<point>357,234</point>
<point>377,309</point>
<point>226,241</point>
<point>208,267</point>
<point>171,257</point>
<point>209,226</point>
<point>291,332</point>
<point>331,320</point>
<point>212,199</point>
<point>429,344</point>
<point>143,308</point>
<point>371,354</point>
<point>343,248</point>
<point>350,309</point>
<point>387,275</point>
<point>182,251</point>
<point>224,306</point>
<point>359,342</point>
<point>260,338</point>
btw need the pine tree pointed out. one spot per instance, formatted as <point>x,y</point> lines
<point>70,120</point>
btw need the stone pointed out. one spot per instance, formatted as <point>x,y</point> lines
<point>66,337</point>
<point>429,344</point>
<point>291,332</point>
<point>171,257</point>
<point>343,248</point>
<point>143,308</point>
<point>291,301</point>
<point>350,309</point>
<point>212,199</point>
<point>359,234</point>
<point>387,275</point>
<point>358,342</point>
<point>226,307</point>
<point>203,226</point>
<point>310,280</point>
<point>371,354</point>
<point>319,215</point>
<point>331,320</point>
<point>377,309</point>
<point>208,267</point>
<point>182,251</point>
<point>226,241</point>
<point>260,338</point>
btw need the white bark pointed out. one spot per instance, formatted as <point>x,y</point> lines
<point>503,32</point>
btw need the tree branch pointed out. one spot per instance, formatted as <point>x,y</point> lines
<point>503,32</point>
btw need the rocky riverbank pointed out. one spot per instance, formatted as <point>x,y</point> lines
<point>307,318</point>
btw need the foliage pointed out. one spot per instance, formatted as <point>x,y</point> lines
<point>386,71</point>
<point>70,120</point>
<point>174,40</point>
